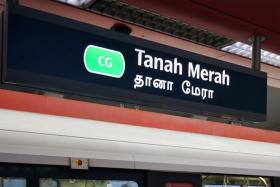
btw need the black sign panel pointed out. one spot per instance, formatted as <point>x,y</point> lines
<point>54,53</point>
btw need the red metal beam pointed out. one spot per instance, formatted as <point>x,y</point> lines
<point>64,107</point>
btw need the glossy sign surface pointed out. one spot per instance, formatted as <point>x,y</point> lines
<point>58,54</point>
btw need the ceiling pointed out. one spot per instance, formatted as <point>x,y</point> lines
<point>151,20</point>
<point>237,19</point>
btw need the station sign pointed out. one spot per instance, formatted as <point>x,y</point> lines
<point>52,53</point>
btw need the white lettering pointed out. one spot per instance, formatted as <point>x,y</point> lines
<point>168,67</point>
<point>204,74</point>
<point>140,52</point>
<point>210,94</point>
<point>194,72</point>
<point>105,61</point>
<point>169,85</point>
<point>100,60</point>
<point>138,81</point>
<point>211,73</point>
<point>204,93</point>
<point>108,62</point>
<point>218,78</point>
<point>226,79</point>
<point>158,63</point>
<point>148,81</point>
<point>148,63</point>
<point>178,68</point>
<point>188,89</point>
<point>158,83</point>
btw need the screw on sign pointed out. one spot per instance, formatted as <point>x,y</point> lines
<point>179,185</point>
